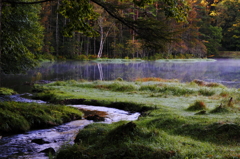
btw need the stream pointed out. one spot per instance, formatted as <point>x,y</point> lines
<point>38,143</point>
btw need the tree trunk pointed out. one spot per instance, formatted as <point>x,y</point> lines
<point>94,46</point>
<point>57,31</point>
<point>0,38</point>
<point>0,33</point>
<point>101,38</point>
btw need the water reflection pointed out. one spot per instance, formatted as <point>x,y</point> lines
<point>225,71</point>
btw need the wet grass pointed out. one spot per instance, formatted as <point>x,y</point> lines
<point>179,120</point>
<point>20,117</point>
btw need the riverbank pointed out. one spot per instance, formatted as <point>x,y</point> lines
<point>229,54</point>
<point>178,120</point>
<point>17,117</point>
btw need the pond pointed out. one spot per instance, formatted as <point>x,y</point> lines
<point>225,71</point>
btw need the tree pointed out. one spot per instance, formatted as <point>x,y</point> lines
<point>81,16</point>
<point>21,37</point>
<point>228,18</point>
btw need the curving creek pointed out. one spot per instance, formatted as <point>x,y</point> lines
<point>38,143</point>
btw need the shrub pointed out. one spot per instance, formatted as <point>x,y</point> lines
<point>82,57</point>
<point>119,79</point>
<point>91,57</point>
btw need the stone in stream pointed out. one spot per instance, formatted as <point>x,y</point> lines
<point>95,118</point>
<point>49,150</point>
<point>40,141</point>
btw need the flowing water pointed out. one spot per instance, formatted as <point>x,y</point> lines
<point>37,144</point>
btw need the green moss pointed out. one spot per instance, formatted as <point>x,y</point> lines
<point>6,91</point>
<point>19,117</point>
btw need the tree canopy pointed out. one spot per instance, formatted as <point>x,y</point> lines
<point>137,28</point>
<point>23,40</point>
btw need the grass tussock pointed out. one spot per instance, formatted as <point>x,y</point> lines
<point>20,117</point>
<point>198,105</point>
<point>166,129</point>
<point>226,106</point>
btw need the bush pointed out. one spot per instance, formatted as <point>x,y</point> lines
<point>91,57</point>
<point>82,57</point>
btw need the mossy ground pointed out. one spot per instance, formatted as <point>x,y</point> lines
<point>20,117</point>
<point>168,127</point>
<point>6,91</point>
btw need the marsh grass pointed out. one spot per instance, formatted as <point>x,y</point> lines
<point>20,117</point>
<point>166,128</point>
<point>206,92</point>
<point>120,86</point>
<point>155,79</point>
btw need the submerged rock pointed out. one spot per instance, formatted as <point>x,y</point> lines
<point>40,141</point>
<point>49,150</point>
<point>95,118</point>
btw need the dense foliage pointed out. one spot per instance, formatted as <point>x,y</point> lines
<point>21,37</point>
<point>83,29</point>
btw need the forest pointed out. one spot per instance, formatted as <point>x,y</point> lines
<point>147,29</point>
<point>141,66</point>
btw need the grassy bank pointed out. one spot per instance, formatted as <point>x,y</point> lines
<point>179,120</point>
<point>20,117</point>
<point>229,54</point>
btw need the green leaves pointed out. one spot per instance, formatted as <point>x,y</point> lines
<point>21,37</point>
<point>80,15</point>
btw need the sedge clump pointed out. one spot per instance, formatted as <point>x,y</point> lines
<point>198,105</point>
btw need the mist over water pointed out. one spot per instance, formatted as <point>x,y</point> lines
<point>225,71</point>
